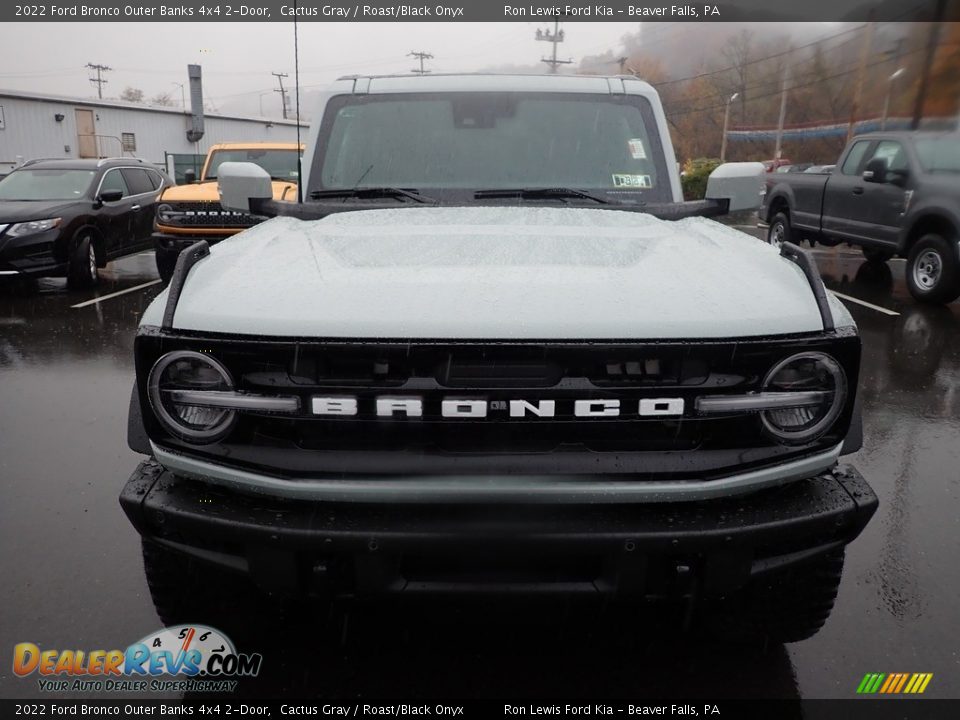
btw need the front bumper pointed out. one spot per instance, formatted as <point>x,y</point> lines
<point>173,244</point>
<point>32,256</point>
<point>656,550</point>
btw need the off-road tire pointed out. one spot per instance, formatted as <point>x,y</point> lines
<point>186,591</point>
<point>933,270</point>
<point>779,231</point>
<point>876,255</point>
<point>82,269</point>
<point>783,606</point>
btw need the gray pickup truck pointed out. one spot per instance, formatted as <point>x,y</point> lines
<point>892,194</point>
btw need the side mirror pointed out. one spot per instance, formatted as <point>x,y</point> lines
<point>240,182</point>
<point>740,184</point>
<point>110,196</point>
<point>875,172</point>
<point>189,176</point>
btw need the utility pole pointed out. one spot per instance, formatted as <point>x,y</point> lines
<point>554,37</point>
<point>861,75</point>
<point>622,62</point>
<point>783,113</point>
<point>932,41</point>
<point>98,80</point>
<point>421,56</point>
<point>282,91</point>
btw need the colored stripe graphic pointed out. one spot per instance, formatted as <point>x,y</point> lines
<point>894,683</point>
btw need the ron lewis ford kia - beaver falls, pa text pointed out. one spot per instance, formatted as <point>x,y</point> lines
<point>494,351</point>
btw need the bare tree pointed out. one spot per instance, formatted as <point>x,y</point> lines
<point>132,94</point>
<point>163,99</point>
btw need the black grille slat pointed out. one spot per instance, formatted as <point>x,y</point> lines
<point>212,214</point>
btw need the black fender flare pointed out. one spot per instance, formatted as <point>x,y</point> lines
<point>854,439</point>
<point>137,438</point>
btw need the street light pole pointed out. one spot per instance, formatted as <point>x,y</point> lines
<point>726,122</point>
<point>886,100</point>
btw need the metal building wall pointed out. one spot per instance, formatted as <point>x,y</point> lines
<point>31,130</point>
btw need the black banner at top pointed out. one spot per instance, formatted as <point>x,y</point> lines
<point>478,11</point>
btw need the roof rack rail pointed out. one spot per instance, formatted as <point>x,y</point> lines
<point>33,161</point>
<point>804,259</point>
<point>102,161</point>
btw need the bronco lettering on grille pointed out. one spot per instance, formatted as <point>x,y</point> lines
<point>412,406</point>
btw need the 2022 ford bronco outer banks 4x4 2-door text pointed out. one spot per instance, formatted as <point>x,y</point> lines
<point>494,351</point>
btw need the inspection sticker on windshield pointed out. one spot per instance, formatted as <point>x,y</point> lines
<point>636,149</point>
<point>633,181</point>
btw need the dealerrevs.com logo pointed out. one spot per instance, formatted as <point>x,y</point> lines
<point>183,658</point>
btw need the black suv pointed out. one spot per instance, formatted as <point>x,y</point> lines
<point>70,217</point>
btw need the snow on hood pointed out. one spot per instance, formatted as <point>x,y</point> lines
<point>495,273</point>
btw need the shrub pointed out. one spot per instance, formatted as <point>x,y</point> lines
<point>694,178</point>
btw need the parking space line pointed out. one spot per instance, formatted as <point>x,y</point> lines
<point>858,301</point>
<point>116,294</point>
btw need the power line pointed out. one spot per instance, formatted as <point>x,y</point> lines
<point>796,86</point>
<point>99,81</point>
<point>282,91</point>
<point>555,38</point>
<point>421,56</point>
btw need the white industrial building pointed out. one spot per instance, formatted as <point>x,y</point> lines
<point>47,126</point>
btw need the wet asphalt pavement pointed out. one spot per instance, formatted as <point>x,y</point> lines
<point>72,572</point>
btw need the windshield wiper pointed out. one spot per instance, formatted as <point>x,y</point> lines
<point>534,193</point>
<point>373,192</point>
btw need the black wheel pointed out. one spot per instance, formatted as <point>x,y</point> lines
<point>779,231</point>
<point>166,262</point>
<point>933,271</point>
<point>82,272</point>
<point>784,606</point>
<point>876,255</point>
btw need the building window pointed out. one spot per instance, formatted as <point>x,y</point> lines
<point>129,142</point>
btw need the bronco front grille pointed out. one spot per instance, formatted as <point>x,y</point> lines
<point>495,374</point>
<point>207,214</point>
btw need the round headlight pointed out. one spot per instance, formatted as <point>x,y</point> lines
<point>187,370</point>
<point>165,213</point>
<point>821,388</point>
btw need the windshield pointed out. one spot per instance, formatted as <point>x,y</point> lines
<point>492,140</point>
<point>940,154</point>
<point>280,164</point>
<point>46,184</point>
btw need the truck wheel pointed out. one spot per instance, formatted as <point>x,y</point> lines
<point>785,606</point>
<point>82,271</point>
<point>876,255</point>
<point>186,591</point>
<point>166,262</point>
<point>933,271</point>
<point>779,230</point>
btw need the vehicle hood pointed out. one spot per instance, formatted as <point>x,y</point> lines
<point>207,192</point>
<point>14,211</point>
<point>495,273</point>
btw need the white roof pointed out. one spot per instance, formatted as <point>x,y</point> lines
<point>490,82</point>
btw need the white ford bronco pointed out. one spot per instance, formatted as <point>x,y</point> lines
<point>494,351</point>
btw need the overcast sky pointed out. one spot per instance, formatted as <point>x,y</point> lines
<point>237,58</point>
